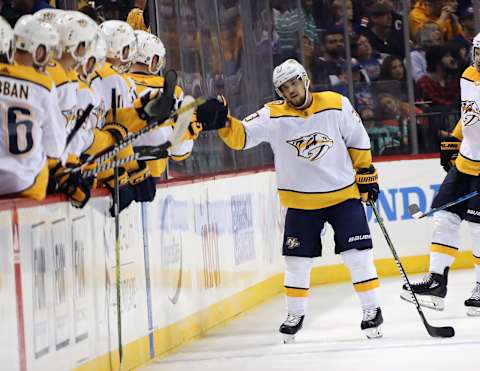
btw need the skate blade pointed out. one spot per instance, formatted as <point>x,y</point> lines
<point>473,311</point>
<point>288,339</point>
<point>373,333</point>
<point>427,301</point>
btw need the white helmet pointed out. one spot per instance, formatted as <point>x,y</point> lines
<point>76,29</point>
<point>98,52</point>
<point>119,35</point>
<point>31,33</point>
<point>150,46</point>
<point>475,45</point>
<point>7,46</point>
<point>50,16</point>
<point>290,69</point>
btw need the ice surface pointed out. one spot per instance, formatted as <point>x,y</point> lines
<point>331,339</point>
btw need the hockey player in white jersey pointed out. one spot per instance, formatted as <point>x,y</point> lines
<point>323,166</point>
<point>148,62</point>
<point>28,100</point>
<point>463,166</point>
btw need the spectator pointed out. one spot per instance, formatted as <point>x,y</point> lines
<point>468,23</point>
<point>428,36</point>
<point>337,11</point>
<point>381,33</point>
<point>393,69</point>
<point>310,32</point>
<point>442,12</point>
<point>13,10</point>
<point>288,23</point>
<point>440,84</point>
<point>369,59</point>
<point>136,18</point>
<point>326,69</point>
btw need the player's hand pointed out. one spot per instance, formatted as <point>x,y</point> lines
<point>125,190</point>
<point>213,113</point>
<point>367,182</point>
<point>72,184</point>
<point>449,149</point>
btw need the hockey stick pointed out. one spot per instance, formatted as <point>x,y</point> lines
<point>116,213</point>
<point>417,214</point>
<point>153,152</point>
<point>134,136</point>
<point>79,123</point>
<point>442,332</point>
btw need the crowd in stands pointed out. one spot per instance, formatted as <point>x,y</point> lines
<point>441,33</point>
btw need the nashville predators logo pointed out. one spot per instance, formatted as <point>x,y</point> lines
<point>470,113</point>
<point>69,116</point>
<point>312,146</point>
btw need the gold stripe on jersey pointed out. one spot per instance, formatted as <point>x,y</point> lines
<point>444,249</point>
<point>361,158</point>
<point>105,71</point>
<point>467,166</point>
<point>38,190</point>
<point>295,292</point>
<point>157,167</point>
<point>476,259</point>
<point>471,74</point>
<point>181,157</point>
<point>144,82</point>
<point>314,200</point>
<point>457,131</point>
<point>367,285</point>
<point>27,74</point>
<point>234,135</point>
<point>323,101</point>
<point>58,74</point>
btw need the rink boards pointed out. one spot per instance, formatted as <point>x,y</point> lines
<point>201,253</point>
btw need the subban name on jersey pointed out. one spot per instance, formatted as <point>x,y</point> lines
<point>14,90</point>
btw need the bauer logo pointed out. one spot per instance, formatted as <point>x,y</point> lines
<point>359,238</point>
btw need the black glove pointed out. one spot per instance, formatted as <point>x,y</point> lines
<point>143,184</point>
<point>449,149</point>
<point>76,188</point>
<point>213,114</point>
<point>125,190</point>
<point>367,182</point>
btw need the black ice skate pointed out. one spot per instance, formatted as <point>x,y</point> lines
<point>430,292</point>
<point>473,302</point>
<point>290,327</point>
<point>372,319</point>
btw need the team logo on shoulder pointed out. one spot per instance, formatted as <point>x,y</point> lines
<point>292,243</point>
<point>312,146</point>
<point>470,113</point>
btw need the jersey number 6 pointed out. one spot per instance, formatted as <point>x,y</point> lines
<point>20,138</point>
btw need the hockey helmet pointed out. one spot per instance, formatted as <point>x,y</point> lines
<point>119,36</point>
<point>7,46</point>
<point>290,69</point>
<point>150,46</point>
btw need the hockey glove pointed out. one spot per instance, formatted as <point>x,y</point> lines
<point>73,185</point>
<point>367,182</point>
<point>449,149</point>
<point>126,191</point>
<point>143,184</point>
<point>213,113</point>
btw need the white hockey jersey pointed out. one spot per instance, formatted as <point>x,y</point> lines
<point>32,131</point>
<point>316,149</point>
<point>143,84</point>
<point>106,80</point>
<point>468,160</point>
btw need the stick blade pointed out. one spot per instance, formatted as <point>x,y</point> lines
<point>440,332</point>
<point>182,122</point>
<point>414,211</point>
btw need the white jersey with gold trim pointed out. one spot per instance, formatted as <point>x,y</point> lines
<point>468,160</point>
<point>32,127</point>
<point>316,149</point>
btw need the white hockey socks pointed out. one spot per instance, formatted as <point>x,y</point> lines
<point>297,283</point>
<point>475,233</point>
<point>364,276</point>
<point>445,241</point>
